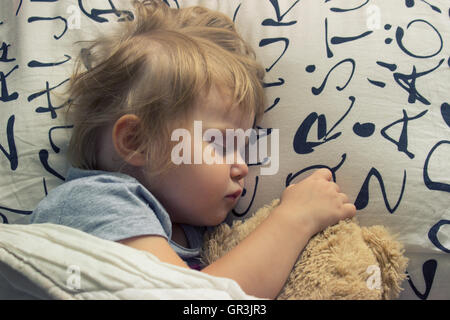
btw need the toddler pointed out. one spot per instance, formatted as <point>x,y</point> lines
<point>162,71</point>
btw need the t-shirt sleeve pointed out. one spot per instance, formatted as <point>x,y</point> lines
<point>114,210</point>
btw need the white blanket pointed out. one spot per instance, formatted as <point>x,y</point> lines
<point>47,261</point>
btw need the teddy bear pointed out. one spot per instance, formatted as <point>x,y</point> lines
<point>344,261</point>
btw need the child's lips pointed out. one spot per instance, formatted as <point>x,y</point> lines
<point>235,194</point>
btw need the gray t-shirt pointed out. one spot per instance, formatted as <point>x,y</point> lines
<point>113,206</point>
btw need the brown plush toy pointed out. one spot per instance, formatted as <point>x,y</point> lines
<point>344,261</point>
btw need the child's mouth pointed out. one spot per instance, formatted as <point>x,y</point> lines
<point>234,195</point>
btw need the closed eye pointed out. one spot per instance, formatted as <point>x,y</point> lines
<point>222,147</point>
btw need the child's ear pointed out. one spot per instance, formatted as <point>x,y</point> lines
<point>123,136</point>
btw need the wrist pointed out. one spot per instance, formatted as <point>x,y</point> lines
<point>293,222</point>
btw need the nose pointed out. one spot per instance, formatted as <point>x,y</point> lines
<point>238,171</point>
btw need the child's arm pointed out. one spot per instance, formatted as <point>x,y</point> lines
<point>262,262</point>
<point>158,246</point>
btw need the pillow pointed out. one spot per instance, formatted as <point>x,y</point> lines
<point>358,87</point>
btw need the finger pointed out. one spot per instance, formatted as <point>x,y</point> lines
<point>324,173</point>
<point>344,198</point>
<point>336,187</point>
<point>349,210</point>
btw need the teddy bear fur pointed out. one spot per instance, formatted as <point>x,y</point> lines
<point>344,261</point>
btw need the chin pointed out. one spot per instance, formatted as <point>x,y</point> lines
<point>217,219</point>
<point>206,217</point>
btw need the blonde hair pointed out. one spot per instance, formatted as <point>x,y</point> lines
<point>156,67</point>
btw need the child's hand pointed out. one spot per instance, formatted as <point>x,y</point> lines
<point>316,202</point>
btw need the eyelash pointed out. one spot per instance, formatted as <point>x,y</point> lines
<point>223,147</point>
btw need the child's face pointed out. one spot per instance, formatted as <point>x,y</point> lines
<point>198,194</point>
